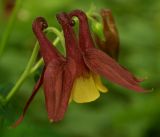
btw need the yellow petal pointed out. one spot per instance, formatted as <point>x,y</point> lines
<point>99,84</point>
<point>84,90</point>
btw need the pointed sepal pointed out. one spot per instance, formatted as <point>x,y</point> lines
<point>104,65</point>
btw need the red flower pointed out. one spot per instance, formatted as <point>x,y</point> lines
<point>76,76</point>
<point>99,62</point>
<point>57,77</point>
<point>86,85</point>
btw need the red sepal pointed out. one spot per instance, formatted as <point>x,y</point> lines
<point>104,65</point>
<point>35,90</point>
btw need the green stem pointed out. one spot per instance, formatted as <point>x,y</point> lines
<point>36,66</point>
<point>58,33</point>
<point>9,27</point>
<point>24,74</point>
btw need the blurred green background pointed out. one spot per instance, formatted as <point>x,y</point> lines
<point>120,112</point>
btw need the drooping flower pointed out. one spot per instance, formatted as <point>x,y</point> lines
<point>111,43</point>
<point>87,84</point>
<point>76,76</point>
<point>57,77</point>
<point>100,63</point>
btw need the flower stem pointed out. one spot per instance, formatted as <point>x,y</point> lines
<point>24,74</point>
<point>9,26</point>
<point>58,33</point>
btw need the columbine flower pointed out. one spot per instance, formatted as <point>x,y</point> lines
<point>100,63</point>
<point>111,43</point>
<point>57,77</point>
<point>76,76</point>
<point>87,84</point>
